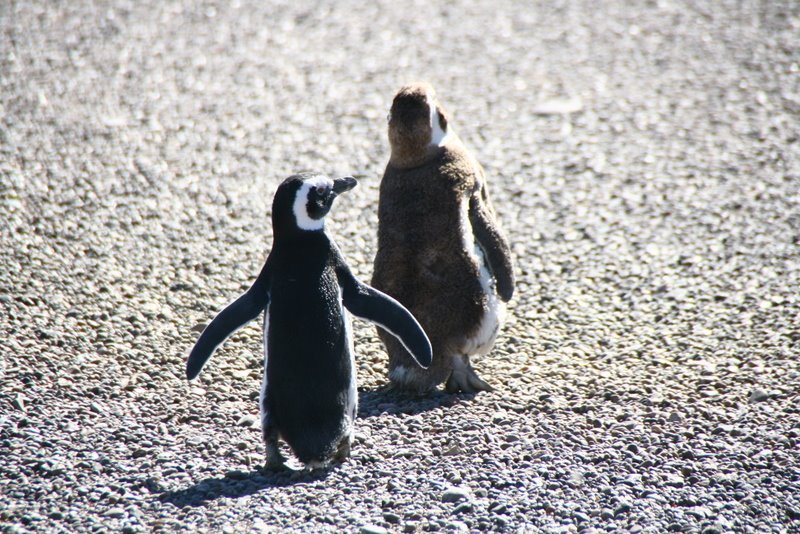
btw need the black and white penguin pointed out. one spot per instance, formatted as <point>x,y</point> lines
<point>308,394</point>
<point>440,250</point>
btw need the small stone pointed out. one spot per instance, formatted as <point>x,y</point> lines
<point>249,421</point>
<point>558,106</point>
<point>260,526</point>
<point>19,402</point>
<point>114,512</point>
<point>455,494</point>
<point>675,417</point>
<point>389,517</point>
<point>372,529</point>
<point>758,395</point>
<point>463,507</point>
<point>699,512</point>
<point>623,508</point>
<point>497,507</point>
<point>580,517</point>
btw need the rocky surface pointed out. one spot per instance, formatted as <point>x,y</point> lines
<point>645,162</point>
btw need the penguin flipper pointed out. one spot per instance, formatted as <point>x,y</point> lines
<point>368,303</point>
<point>493,244</point>
<point>237,314</point>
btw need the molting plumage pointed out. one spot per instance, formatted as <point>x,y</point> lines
<point>440,250</point>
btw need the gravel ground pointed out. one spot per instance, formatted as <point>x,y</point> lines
<point>648,379</point>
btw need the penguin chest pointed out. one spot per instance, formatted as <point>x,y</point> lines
<point>482,338</point>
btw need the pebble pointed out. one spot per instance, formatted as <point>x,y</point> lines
<point>455,494</point>
<point>462,508</point>
<point>372,529</point>
<point>581,517</point>
<point>757,395</point>
<point>115,512</point>
<point>19,402</point>
<point>675,417</point>
<point>249,421</point>
<point>622,508</point>
<point>390,517</point>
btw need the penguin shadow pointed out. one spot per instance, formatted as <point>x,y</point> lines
<point>387,401</point>
<point>237,484</point>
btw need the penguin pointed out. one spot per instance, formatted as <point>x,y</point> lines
<point>440,250</point>
<point>308,393</point>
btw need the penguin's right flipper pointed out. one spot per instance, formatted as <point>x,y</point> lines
<point>493,244</point>
<point>232,318</point>
<point>368,303</point>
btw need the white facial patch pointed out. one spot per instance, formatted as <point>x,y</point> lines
<point>300,207</point>
<point>438,136</point>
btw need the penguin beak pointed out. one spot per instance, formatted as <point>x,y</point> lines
<point>342,185</point>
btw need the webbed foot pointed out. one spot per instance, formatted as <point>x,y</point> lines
<point>343,452</point>
<point>276,463</point>
<point>464,379</point>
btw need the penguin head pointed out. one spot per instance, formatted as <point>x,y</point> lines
<point>302,201</point>
<point>418,125</point>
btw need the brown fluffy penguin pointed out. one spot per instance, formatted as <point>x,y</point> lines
<point>440,251</point>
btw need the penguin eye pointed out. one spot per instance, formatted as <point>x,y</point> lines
<point>321,190</point>
<point>388,117</point>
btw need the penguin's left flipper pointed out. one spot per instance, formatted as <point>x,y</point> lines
<point>493,244</point>
<point>368,303</point>
<point>233,317</point>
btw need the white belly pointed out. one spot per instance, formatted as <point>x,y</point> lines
<point>352,401</point>
<point>481,342</point>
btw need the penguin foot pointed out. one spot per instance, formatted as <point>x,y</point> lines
<point>343,452</point>
<point>276,464</point>
<point>275,460</point>
<point>464,379</point>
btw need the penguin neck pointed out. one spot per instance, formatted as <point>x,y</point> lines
<point>289,230</point>
<point>300,242</point>
<point>407,157</point>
